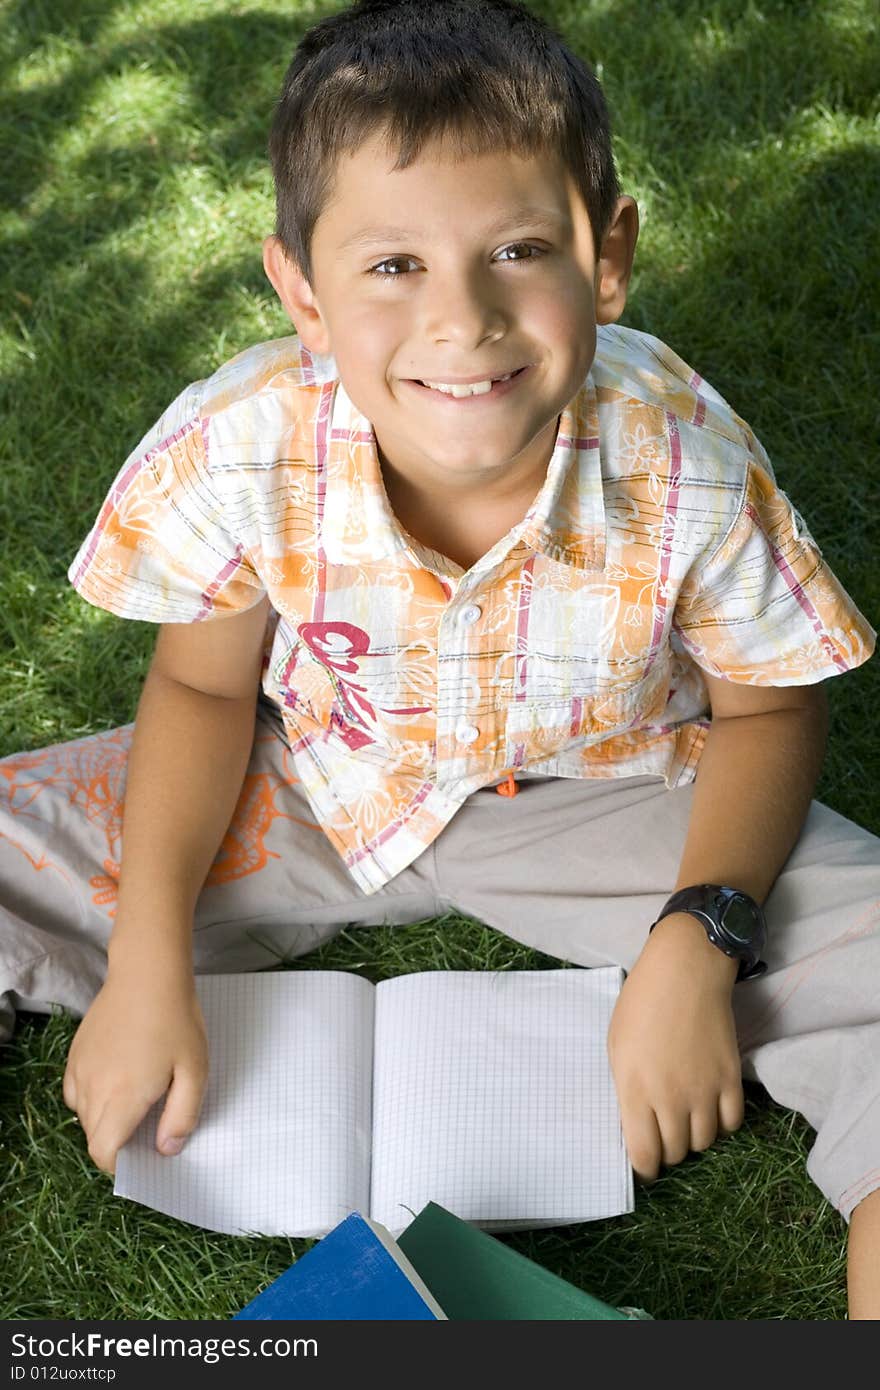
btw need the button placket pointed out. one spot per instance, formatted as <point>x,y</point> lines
<point>458,617</point>
<point>466,732</point>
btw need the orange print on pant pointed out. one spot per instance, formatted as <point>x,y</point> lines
<point>243,850</point>
<point>90,775</point>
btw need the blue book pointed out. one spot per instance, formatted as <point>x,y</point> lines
<point>357,1272</point>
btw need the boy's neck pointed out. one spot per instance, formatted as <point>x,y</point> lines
<point>461,520</point>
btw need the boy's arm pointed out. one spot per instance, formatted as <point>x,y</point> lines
<point>192,742</point>
<point>672,1040</point>
<point>755,782</point>
<point>190,750</point>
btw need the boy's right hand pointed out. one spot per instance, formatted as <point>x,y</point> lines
<point>140,1037</point>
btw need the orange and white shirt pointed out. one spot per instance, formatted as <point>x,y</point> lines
<point>658,547</point>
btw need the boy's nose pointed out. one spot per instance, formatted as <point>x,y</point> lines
<point>465,314</point>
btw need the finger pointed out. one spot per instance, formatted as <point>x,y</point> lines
<point>68,1089</point>
<point>703,1127</point>
<point>731,1108</point>
<point>675,1135</point>
<point>641,1135</point>
<point>182,1110</point>
<point>113,1126</point>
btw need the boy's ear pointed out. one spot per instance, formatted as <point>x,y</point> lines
<point>614,265</point>
<point>295,293</point>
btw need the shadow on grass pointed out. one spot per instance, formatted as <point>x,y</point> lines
<point>790,252</point>
<point>804,259</point>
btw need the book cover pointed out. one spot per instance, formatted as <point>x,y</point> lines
<point>357,1272</point>
<point>477,1277</point>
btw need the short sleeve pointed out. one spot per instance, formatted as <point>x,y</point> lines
<point>162,549</point>
<point>764,608</point>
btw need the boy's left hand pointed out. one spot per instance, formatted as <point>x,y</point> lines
<point>673,1049</point>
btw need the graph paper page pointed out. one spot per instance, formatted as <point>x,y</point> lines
<point>493,1096</point>
<point>283,1143</point>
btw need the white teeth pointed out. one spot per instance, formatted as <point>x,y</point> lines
<point>475,388</point>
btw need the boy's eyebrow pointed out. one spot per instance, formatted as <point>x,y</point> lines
<point>545,217</point>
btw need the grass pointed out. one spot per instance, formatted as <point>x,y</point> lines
<point>135,190</point>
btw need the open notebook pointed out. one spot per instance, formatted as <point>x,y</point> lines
<point>487,1092</point>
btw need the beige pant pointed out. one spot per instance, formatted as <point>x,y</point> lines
<point>576,869</point>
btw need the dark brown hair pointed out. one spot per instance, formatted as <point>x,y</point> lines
<point>487,74</point>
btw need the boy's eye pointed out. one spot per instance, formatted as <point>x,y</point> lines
<point>523,246</point>
<point>386,275</point>
<point>381,274</point>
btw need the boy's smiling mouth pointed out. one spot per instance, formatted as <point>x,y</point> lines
<point>487,388</point>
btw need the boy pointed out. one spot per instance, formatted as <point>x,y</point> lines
<point>465,536</point>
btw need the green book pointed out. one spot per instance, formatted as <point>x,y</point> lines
<point>475,1277</point>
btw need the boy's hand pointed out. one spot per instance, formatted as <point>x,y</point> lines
<point>673,1049</point>
<point>142,1034</point>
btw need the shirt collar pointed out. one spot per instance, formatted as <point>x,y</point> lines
<point>566,521</point>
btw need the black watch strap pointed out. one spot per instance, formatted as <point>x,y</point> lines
<point>732,920</point>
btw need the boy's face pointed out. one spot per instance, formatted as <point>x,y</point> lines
<point>471,287</point>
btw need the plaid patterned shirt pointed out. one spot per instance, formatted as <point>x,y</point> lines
<point>657,547</point>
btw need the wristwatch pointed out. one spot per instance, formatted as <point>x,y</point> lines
<point>733,921</point>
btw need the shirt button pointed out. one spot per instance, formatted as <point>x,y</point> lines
<point>466,733</point>
<point>471,613</point>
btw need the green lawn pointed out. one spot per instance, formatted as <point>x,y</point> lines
<point>134,191</point>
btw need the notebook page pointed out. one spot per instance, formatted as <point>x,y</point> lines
<point>283,1143</point>
<point>493,1096</point>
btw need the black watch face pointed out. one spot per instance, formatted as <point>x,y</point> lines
<point>739,921</point>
